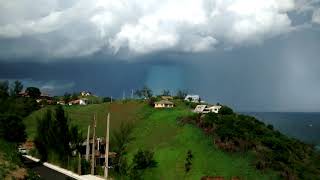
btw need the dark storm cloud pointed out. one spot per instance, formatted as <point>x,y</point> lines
<point>100,77</point>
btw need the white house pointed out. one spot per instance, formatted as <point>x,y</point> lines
<point>84,93</point>
<point>204,109</point>
<point>163,104</point>
<point>200,108</point>
<point>192,98</point>
<point>83,101</point>
<point>215,108</point>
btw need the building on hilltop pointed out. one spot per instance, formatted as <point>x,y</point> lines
<point>82,101</point>
<point>193,98</point>
<point>164,104</point>
<point>204,109</point>
<point>85,93</point>
<point>167,97</point>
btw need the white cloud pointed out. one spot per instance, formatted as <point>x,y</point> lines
<point>83,27</point>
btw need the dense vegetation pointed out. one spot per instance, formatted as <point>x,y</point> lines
<point>13,109</point>
<point>56,139</point>
<point>240,133</point>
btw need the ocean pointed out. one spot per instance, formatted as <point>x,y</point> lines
<point>303,126</point>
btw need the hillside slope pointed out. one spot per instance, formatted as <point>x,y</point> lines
<point>158,130</point>
<point>83,116</point>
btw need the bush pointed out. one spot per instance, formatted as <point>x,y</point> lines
<point>225,110</point>
<point>12,128</point>
<point>188,162</point>
<point>143,159</point>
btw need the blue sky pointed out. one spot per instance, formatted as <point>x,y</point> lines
<point>251,55</point>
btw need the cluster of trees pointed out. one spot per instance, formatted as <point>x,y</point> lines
<point>235,132</point>
<point>56,136</point>
<point>146,93</point>
<point>67,97</point>
<point>15,89</point>
<point>13,109</point>
<point>142,160</point>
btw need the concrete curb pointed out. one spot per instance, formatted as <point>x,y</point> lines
<point>64,171</point>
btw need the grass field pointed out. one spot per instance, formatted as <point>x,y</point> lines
<point>83,116</point>
<point>157,130</point>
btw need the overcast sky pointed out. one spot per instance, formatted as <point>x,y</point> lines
<point>251,55</point>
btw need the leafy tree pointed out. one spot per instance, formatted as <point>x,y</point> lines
<point>143,159</point>
<point>165,92</point>
<point>74,96</point>
<point>54,134</point>
<point>151,101</point>
<point>62,134</point>
<point>181,94</point>
<point>16,88</point>
<point>188,162</point>
<point>106,99</point>
<point>145,92</point>
<point>67,97</point>
<point>225,110</point>
<point>119,142</point>
<point>4,87</point>
<point>33,92</point>
<point>138,93</point>
<point>44,135</point>
<point>12,128</point>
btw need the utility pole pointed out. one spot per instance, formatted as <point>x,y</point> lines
<point>79,163</point>
<point>88,144</point>
<point>93,144</point>
<point>106,161</point>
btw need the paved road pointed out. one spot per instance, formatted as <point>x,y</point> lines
<point>44,172</point>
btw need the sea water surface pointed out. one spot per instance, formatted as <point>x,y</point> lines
<point>300,125</point>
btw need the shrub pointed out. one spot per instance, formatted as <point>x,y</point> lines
<point>143,159</point>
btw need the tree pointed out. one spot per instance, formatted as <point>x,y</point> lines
<point>62,134</point>
<point>4,87</point>
<point>181,94</point>
<point>145,92</point>
<point>188,162</point>
<point>151,101</point>
<point>33,92</point>
<point>74,96</point>
<point>165,92</point>
<point>225,110</point>
<point>12,128</point>
<point>55,134</point>
<point>16,88</point>
<point>143,159</point>
<point>67,97</point>
<point>119,141</point>
<point>138,93</point>
<point>106,99</point>
<point>44,135</point>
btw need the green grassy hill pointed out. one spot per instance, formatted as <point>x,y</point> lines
<point>158,130</point>
<point>83,116</point>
